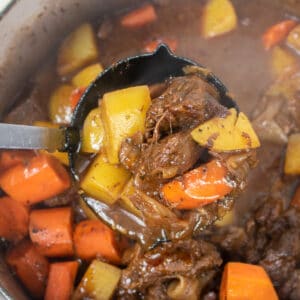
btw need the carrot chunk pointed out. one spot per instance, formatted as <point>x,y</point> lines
<point>75,96</point>
<point>198,187</point>
<point>296,198</point>
<point>11,158</point>
<point>30,266</point>
<point>92,239</point>
<point>51,231</point>
<point>13,219</point>
<point>246,281</point>
<point>43,177</point>
<point>152,45</point>
<point>61,280</point>
<point>277,33</point>
<point>139,17</point>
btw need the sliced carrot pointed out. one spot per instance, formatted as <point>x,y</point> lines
<point>296,199</point>
<point>277,33</point>
<point>43,177</point>
<point>245,281</point>
<point>11,158</point>
<point>14,218</point>
<point>198,187</point>
<point>139,17</point>
<point>92,239</point>
<point>152,45</point>
<point>30,266</point>
<point>61,280</point>
<point>75,96</point>
<point>51,231</point>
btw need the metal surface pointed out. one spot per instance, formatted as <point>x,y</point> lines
<point>31,137</point>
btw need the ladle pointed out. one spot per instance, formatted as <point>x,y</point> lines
<point>137,70</point>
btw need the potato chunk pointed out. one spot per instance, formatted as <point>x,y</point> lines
<point>218,17</point>
<point>60,109</point>
<point>99,282</point>
<point>92,132</point>
<point>233,132</point>
<point>86,76</point>
<point>104,181</point>
<point>292,156</point>
<point>124,113</point>
<point>77,50</point>
<point>282,61</point>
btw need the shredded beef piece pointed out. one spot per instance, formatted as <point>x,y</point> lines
<point>188,258</point>
<point>187,102</point>
<point>291,288</point>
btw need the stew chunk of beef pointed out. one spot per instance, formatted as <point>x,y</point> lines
<point>187,102</point>
<point>187,258</point>
<point>153,164</point>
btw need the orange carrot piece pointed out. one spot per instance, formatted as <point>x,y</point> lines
<point>61,280</point>
<point>296,199</point>
<point>75,96</point>
<point>43,177</point>
<point>11,158</point>
<point>14,218</point>
<point>51,231</point>
<point>277,33</point>
<point>246,281</point>
<point>152,45</point>
<point>30,266</point>
<point>92,239</point>
<point>198,187</point>
<point>139,17</point>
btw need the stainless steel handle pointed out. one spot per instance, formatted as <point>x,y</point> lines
<point>31,137</point>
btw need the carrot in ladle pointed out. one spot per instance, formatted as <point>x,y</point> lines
<point>51,231</point>
<point>30,267</point>
<point>43,177</point>
<point>61,280</point>
<point>92,239</point>
<point>198,187</point>
<point>277,33</point>
<point>13,219</point>
<point>139,17</point>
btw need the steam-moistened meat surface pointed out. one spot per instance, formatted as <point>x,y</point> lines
<point>168,214</point>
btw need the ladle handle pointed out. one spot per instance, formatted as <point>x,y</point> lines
<point>33,137</point>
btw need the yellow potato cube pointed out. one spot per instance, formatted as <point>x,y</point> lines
<point>60,110</point>
<point>218,17</point>
<point>99,282</point>
<point>292,156</point>
<point>77,50</point>
<point>105,181</point>
<point>282,61</point>
<point>86,76</point>
<point>125,199</point>
<point>233,132</point>
<point>92,132</point>
<point>123,115</point>
<point>61,156</point>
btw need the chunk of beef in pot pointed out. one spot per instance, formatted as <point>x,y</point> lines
<point>155,163</point>
<point>187,102</point>
<point>291,288</point>
<point>278,114</point>
<point>187,258</point>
